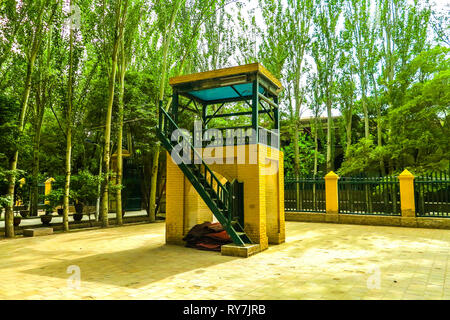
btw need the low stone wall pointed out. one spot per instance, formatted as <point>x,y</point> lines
<point>375,220</point>
<point>82,224</point>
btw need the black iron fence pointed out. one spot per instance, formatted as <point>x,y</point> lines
<point>369,195</point>
<point>305,194</point>
<point>432,195</point>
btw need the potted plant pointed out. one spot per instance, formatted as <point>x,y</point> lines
<point>78,215</point>
<point>17,220</point>
<point>83,191</point>
<point>56,198</point>
<point>47,217</point>
<point>24,213</point>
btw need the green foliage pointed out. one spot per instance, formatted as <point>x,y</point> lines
<point>389,66</point>
<point>55,197</point>
<point>420,128</point>
<point>359,158</point>
<point>84,187</point>
<point>306,150</point>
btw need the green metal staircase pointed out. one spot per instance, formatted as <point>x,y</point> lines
<point>216,196</point>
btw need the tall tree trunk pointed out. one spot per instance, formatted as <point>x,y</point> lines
<point>389,74</point>
<point>316,146</point>
<point>330,159</point>
<point>365,108</point>
<point>316,151</point>
<point>9,214</point>
<point>106,150</point>
<point>379,140</point>
<point>299,95</point>
<point>68,134</point>
<point>156,150</point>
<point>41,100</point>
<point>119,173</point>
<point>35,165</point>
<point>348,128</point>
<point>348,124</point>
<point>296,149</point>
<point>68,174</point>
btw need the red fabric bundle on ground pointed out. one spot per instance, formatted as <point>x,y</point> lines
<point>207,236</point>
<point>208,246</point>
<point>221,236</point>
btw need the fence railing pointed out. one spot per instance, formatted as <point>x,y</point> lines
<point>422,196</point>
<point>369,195</point>
<point>304,194</point>
<point>432,195</point>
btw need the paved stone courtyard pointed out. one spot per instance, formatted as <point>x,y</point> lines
<point>318,261</point>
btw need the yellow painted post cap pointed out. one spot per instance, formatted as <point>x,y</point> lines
<point>406,175</point>
<point>331,175</point>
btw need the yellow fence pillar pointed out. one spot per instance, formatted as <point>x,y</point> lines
<point>21,183</point>
<point>407,203</point>
<point>331,197</point>
<point>48,188</point>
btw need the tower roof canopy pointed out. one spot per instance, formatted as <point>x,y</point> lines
<point>226,84</point>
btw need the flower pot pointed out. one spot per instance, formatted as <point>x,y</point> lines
<point>79,208</point>
<point>60,211</point>
<point>17,221</point>
<point>24,213</point>
<point>45,219</point>
<point>77,217</point>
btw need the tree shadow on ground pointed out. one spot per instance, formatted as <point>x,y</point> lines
<point>135,268</point>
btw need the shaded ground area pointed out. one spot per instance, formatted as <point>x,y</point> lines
<point>318,261</point>
<point>36,221</point>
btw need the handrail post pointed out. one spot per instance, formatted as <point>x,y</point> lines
<point>255,121</point>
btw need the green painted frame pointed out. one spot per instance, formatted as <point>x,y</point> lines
<point>268,97</point>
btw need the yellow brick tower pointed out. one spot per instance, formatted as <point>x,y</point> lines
<point>232,174</point>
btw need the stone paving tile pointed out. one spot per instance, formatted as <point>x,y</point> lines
<point>318,261</point>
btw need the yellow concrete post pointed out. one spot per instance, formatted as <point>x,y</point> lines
<point>175,202</point>
<point>261,171</point>
<point>407,203</point>
<point>21,183</point>
<point>331,197</point>
<point>48,188</point>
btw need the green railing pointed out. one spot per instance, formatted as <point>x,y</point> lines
<point>216,196</point>
<point>234,136</point>
<point>304,194</point>
<point>369,195</point>
<point>167,124</point>
<point>230,136</point>
<point>432,195</point>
